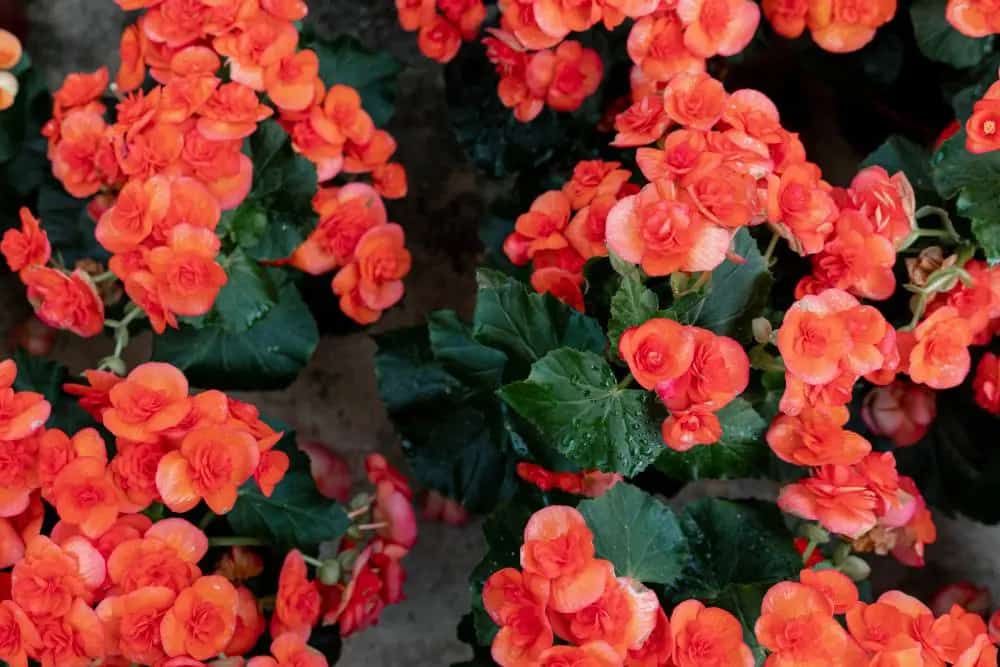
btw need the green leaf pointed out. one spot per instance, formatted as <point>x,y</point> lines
<point>637,533</point>
<point>527,326</point>
<point>47,377</point>
<point>295,516</point>
<point>245,350</point>
<point>69,227</point>
<point>736,294</point>
<point>247,297</point>
<point>900,154</point>
<point>741,452</point>
<point>631,305</point>
<point>572,398</point>
<point>939,41</point>
<point>344,60</point>
<point>734,544</point>
<point>975,179</point>
<point>455,436</point>
<point>453,345</point>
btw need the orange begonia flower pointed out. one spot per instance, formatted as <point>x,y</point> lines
<point>20,636</point>
<point>940,359</point>
<point>662,230</point>
<point>390,180</point>
<point>290,650</point>
<point>262,43</point>
<point>816,437</point>
<point>683,152</point>
<point>718,27</point>
<point>696,101</point>
<point>981,653</point>
<point>27,246</point>
<point>586,231</point>
<point>210,465</point>
<point>187,275</point>
<point>973,18</point>
<point>787,17</point>
<point>297,606</point>
<point>18,530</point>
<point>857,259</point>
<point>508,590</point>
<point>562,284</point>
<point>413,14</point>
<point>373,282</point>
<point>799,201</point>
<point>623,617</point>
<point>288,10</point>
<point>656,45</point>
<point>592,179</point>
<point>139,208</point>
<point>523,637</point>
<point>836,586</point>
<point>557,542</point>
<point>152,150</point>
<point>658,647</point>
<point>73,640</point>
<point>518,18</point>
<point>152,399</point>
<point>151,561</point>
<point>10,49</point>
<point>842,26</point>
<point>813,339</point>
<point>706,636</point>
<point>79,89</point>
<point>685,429</point>
<point>566,76</point>
<point>22,413</point>
<point>132,623</point>
<point>345,215</point>
<point>83,159</point>
<point>290,82</point>
<point>250,624</point>
<point>657,351</point>
<point>132,71</point>
<point>541,228</point>
<point>796,623</point>
<point>93,396</point>
<point>642,123</point>
<point>232,112</point>
<point>887,201</point>
<point>836,496</point>
<point>873,626</point>
<point>84,495</point>
<point>202,620</point>
<point>393,508</point>
<point>48,579</point>
<point>439,39</point>
<point>719,372</point>
<point>65,301</point>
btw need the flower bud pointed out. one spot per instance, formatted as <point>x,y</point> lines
<point>360,500</point>
<point>815,533</point>
<point>8,90</point>
<point>347,559</point>
<point>762,330</point>
<point>114,364</point>
<point>929,260</point>
<point>902,411</point>
<point>856,568</point>
<point>329,572</point>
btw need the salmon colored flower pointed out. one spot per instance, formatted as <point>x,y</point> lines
<point>541,228</point>
<point>887,201</point>
<point>586,231</point>
<point>186,272</point>
<point>152,399</point>
<point>439,39</point>
<point>65,301</point>
<point>718,27</point>
<point>973,18</point>
<point>719,372</point>
<point>592,179</point>
<point>901,411</point>
<point>623,617</point>
<point>17,531</point>
<point>10,49</point>
<point>83,159</point>
<point>642,123</point>
<point>232,112</point>
<point>73,640</point>
<point>815,438</point>
<point>78,90</point>
<point>524,636</point>
<point>696,101</point>
<point>656,45</point>
<point>787,17</point>
<point>657,649</point>
<point>657,351</point>
<point>250,624</point>
<point>84,495</point>
<point>518,18</point>
<point>842,26</point>
<point>413,14</point>
<point>262,43</point>
<point>345,215</point>
<point>800,202</point>
<point>724,196</point>
<point>981,653</point>
<point>557,542</point>
<point>290,650</point>
<point>27,246</point>
<point>561,284</point>
<point>796,623</point>
<point>133,472</point>
<point>19,635</point>
<point>393,508</point>
<point>813,339</point>
<point>685,429</point>
<point>48,579</point>
<point>158,560</point>
<point>139,208</point>
<point>22,413</point>
<point>566,76</point>
<point>132,623</point>
<point>857,259</point>
<point>684,151</point>
<point>836,496</point>
<point>706,636</point>
<point>290,83</point>
<point>210,465</point>
<point>837,587</point>
<point>940,359</point>
<point>986,383</point>
<point>373,282</point>
<point>9,87</point>
<point>202,619</point>
<point>390,180</point>
<point>509,590</point>
<point>662,230</point>
<point>132,71</point>
<point>297,607</point>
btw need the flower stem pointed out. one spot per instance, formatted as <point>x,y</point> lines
<point>103,277</point>
<point>207,520</point>
<point>626,382</point>
<point>944,217</point>
<point>315,562</point>
<point>235,542</point>
<point>810,548</point>
<point>771,247</point>
<point>354,514</point>
<point>373,526</point>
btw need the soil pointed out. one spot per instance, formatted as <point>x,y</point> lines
<point>335,399</point>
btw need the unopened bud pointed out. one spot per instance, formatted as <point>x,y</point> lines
<point>929,260</point>
<point>354,533</point>
<point>360,500</point>
<point>347,559</point>
<point>856,568</point>
<point>329,573</point>
<point>815,533</point>
<point>840,553</point>
<point>762,330</point>
<point>114,364</point>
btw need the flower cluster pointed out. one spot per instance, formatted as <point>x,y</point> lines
<point>838,26</point>
<point>694,372</point>
<point>562,591</point>
<point>588,483</point>
<point>441,25</point>
<point>828,342</point>
<point>800,623</point>
<point>352,589</point>
<point>109,583</point>
<point>973,18</point>
<point>171,162</point>
<point>10,55</point>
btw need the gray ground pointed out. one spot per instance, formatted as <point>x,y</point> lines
<point>335,399</point>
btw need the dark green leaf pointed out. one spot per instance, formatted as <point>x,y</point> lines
<point>247,297</point>
<point>572,398</point>
<point>268,354</point>
<point>637,533</point>
<point>976,181</point>
<point>741,452</point>
<point>47,378</point>
<point>631,305</point>
<point>736,294</point>
<point>527,326</point>
<point>453,345</point>
<point>407,372</point>
<point>940,41</point>
<point>988,236</point>
<point>344,60</point>
<point>734,544</point>
<point>900,154</point>
<point>68,225</point>
<point>295,516</point>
